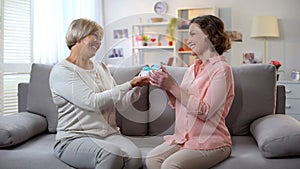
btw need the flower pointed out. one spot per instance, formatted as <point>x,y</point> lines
<point>276,63</point>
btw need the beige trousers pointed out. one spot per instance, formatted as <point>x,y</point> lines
<point>167,156</point>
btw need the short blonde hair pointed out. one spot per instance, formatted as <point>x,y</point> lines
<point>79,29</point>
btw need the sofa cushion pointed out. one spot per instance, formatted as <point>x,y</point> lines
<point>19,127</point>
<point>133,120</point>
<point>39,99</point>
<point>246,155</point>
<point>255,89</point>
<point>277,135</point>
<point>161,116</point>
<point>36,153</point>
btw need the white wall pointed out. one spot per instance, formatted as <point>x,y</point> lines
<point>122,14</point>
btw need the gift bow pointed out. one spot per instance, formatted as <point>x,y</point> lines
<point>153,67</point>
<point>146,69</point>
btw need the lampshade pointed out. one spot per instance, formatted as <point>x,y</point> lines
<point>264,26</point>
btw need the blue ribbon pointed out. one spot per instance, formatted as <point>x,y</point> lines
<point>147,69</point>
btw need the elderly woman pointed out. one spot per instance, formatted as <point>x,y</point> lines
<point>87,96</point>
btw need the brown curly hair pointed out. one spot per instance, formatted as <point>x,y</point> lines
<point>214,28</point>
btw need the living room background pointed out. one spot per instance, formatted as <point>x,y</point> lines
<point>284,48</point>
<point>116,14</point>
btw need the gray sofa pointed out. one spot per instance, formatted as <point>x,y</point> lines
<point>263,136</point>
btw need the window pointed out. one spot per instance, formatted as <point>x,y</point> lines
<point>16,54</point>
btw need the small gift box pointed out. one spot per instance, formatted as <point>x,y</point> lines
<point>146,70</point>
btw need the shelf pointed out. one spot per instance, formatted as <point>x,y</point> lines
<point>152,53</point>
<point>152,24</point>
<point>182,30</point>
<point>184,52</point>
<point>153,47</point>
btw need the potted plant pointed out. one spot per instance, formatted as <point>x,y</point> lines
<point>145,39</point>
<point>172,25</point>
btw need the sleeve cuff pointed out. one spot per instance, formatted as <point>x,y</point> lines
<point>119,91</point>
<point>136,94</point>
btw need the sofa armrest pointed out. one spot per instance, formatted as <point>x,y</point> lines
<point>280,100</point>
<point>19,127</point>
<point>22,96</point>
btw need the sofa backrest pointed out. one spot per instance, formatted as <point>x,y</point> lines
<point>132,121</point>
<point>161,116</point>
<point>254,97</point>
<point>255,91</point>
<point>39,100</point>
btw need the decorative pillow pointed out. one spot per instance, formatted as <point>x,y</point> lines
<point>277,135</point>
<point>132,121</point>
<point>19,127</point>
<point>39,99</point>
<point>255,89</point>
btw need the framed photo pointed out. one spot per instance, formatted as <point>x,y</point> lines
<point>120,33</point>
<point>116,53</point>
<point>235,36</point>
<point>250,58</point>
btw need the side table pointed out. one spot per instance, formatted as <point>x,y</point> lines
<point>292,89</point>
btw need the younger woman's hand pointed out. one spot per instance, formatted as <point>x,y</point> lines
<point>139,81</point>
<point>161,78</point>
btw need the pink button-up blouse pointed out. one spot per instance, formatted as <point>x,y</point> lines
<point>201,123</point>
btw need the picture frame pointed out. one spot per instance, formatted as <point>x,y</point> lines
<point>235,36</point>
<point>120,33</point>
<point>251,58</point>
<point>116,53</point>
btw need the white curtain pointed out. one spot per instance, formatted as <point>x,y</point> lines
<point>51,20</point>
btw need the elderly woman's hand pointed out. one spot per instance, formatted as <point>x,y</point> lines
<point>139,81</point>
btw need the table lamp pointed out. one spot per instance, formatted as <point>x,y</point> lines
<point>264,27</point>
